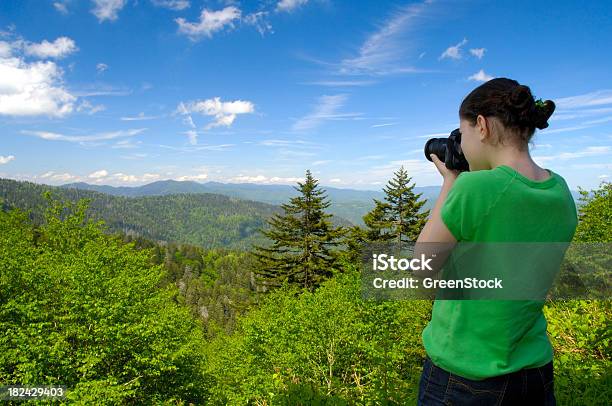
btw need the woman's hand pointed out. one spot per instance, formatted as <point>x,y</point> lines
<point>449,175</point>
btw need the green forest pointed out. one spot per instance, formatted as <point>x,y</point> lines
<point>204,299</point>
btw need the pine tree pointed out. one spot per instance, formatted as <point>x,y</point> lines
<point>302,238</point>
<point>397,218</point>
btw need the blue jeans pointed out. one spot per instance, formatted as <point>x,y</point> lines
<point>533,386</point>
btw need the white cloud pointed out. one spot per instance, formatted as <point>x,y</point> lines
<point>90,109</point>
<point>383,51</point>
<point>341,83</point>
<point>176,5</point>
<point>188,120</point>
<point>335,180</point>
<point>210,22</point>
<point>107,9</point>
<point>6,159</point>
<point>50,136</point>
<point>98,174</point>
<point>125,144</point>
<point>480,76</point>
<point>224,112</point>
<point>57,49</point>
<point>597,98</point>
<point>478,52</point>
<point>326,109</point>
<point>59,177</point>
<point>260,21</point>
<point>140,117</point>
<point>98,177</point>
<point>453,52</point>
<point>565,129</point>
<point>101,67</point>
<point>282,143</point>
<point>193,137</point>
<point>289,5</point>
<point>102,90</point>
<point>5,49</point>
<point>585,152</point>
<point>263,179</point>
<point>61,6</point>
<point>382,125</point>
<point>197,177</point>
<point>30,89</point>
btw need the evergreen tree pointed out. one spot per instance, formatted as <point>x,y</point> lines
<point>302,238</point>
<point>397,218</point>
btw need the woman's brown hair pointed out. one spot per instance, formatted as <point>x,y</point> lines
<point>511,103</point>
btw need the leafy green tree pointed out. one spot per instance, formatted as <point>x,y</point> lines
<point>303,240</point>
<point>595,215</point>
<point>83,309</point>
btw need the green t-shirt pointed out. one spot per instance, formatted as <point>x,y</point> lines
<point>477,339</point>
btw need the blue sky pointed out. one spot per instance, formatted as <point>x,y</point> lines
<point>126,92</point>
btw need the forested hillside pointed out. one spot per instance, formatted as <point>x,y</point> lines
<point>350,204</point>
<point>125,320</point>
<point>204,219</point>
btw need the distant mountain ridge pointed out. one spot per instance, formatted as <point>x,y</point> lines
<point>350,204</point>
<point>206,219</point>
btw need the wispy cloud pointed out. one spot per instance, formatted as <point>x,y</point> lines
<point>566,129</point>
<point>89,108</point>
<point>326,109</point>
<point>51,136</point>
<point>101,90</point>
<point>140,117</point>
<point>384,51</point>
<point>260,21</point>
<point>341,83</point>
<point>282,143</point>
<point>597,98</point>
<point>585,152</point>
<point>175,5</point>
<point>218,147</point>
<point>383,125</point>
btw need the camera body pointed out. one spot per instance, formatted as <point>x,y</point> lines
<point>448,150</point>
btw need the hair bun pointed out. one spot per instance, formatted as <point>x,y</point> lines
<point>521,105</point>
<point>543,113</point>
<point>520,98</point>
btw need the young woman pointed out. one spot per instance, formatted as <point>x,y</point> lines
<point>494,352</point>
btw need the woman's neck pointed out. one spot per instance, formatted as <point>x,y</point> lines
<point>521,162</point>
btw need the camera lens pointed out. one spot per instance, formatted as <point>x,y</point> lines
<point>448,150</point>
<point>436,146</point>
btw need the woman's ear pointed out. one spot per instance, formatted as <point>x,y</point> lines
<point>483,128</point>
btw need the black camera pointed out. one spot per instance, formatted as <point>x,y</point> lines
<point>448,150</point>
